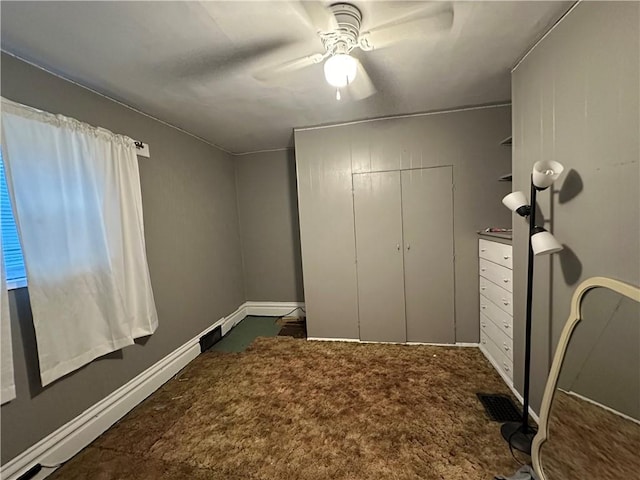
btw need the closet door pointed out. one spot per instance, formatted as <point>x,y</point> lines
<point>378,223</point>
<point>427,213</point>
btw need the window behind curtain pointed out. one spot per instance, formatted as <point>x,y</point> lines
<point>13,261</point>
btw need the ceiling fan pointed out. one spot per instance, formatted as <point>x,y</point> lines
<point>338,27</point>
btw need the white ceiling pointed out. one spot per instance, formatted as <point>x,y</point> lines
<point>190,63</point>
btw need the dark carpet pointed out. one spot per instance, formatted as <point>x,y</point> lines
<point>293,327</point>
<point>293,409</point>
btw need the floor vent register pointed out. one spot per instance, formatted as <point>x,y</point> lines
<point>499,408</point>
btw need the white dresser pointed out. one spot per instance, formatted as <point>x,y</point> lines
<point>496,305</point>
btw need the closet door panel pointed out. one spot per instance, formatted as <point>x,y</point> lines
<point>378,223</point>
<point>427,211</point>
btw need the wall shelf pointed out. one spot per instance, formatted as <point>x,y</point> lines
<point>507,142</point>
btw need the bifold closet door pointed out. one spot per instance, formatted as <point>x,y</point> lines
<point>378,223</point>
<point>427,218</point>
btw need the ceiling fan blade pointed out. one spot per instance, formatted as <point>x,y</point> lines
<point>318,15</point>
<point>362,86</point>
<point>271,73</point>
<point>386,36</point>
<point>208,64</point>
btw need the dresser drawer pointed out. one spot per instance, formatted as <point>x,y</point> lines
<point>504,343</point>
<point>498,316</point>
<point>498,295</point>
<point>500,360</point>
<point>496,252</point>
<point>498,274</point>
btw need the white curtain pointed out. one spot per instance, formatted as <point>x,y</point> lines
<point>8,388</point>
<point>76,196</point>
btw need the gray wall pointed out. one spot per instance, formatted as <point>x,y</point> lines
<point>575,100</point>
<point>268,209</point>
<point>193,247</point>
<point>603,355</point>
<point>326,157</point>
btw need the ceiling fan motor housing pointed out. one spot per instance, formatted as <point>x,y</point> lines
<point>345,38</point>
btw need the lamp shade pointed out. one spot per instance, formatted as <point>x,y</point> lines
<point>543,243</point>
<point>515,200</point>
<point>545,173</point>
<point>340,70</point>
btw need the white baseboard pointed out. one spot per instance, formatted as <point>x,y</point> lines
<point>274,309</point>
<point>232,320</point>
<point>356,340</point>
<point>509,383</point>
<point>457,344</point>
<point>323,339</point>
<point>72,437</point>
<point>600,405</point>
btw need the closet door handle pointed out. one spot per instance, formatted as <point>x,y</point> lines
<point>408,246</point>
<point>398,246</point>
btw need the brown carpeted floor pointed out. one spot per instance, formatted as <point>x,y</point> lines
<point>586,441</point>
<point>292,409</point>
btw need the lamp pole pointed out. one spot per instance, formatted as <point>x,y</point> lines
<point>527,345</point>
<point>520,435</point>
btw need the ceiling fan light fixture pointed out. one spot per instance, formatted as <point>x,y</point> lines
<point>340,70</point>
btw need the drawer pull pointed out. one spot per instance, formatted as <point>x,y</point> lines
<point>506,257</point>
<point>483,306</point>
<point>483,288</point>
<point>484,342</point>
<point>506,325</point>
<point>483,249</point>
<point>506,367</point>
<point>505,302</point>
<point>483,269</point>
<point>484,325</point>
<point>506,347</point>
<point>505,280</point>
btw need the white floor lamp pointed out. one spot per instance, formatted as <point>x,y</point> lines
<point>520,434</point>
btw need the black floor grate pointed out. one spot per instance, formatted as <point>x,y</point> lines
<point>500,408</point>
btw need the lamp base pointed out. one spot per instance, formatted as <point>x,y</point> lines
<point>513,433</point>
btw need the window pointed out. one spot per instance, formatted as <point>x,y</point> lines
<point>77,188</point>
<point>13,261</point>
